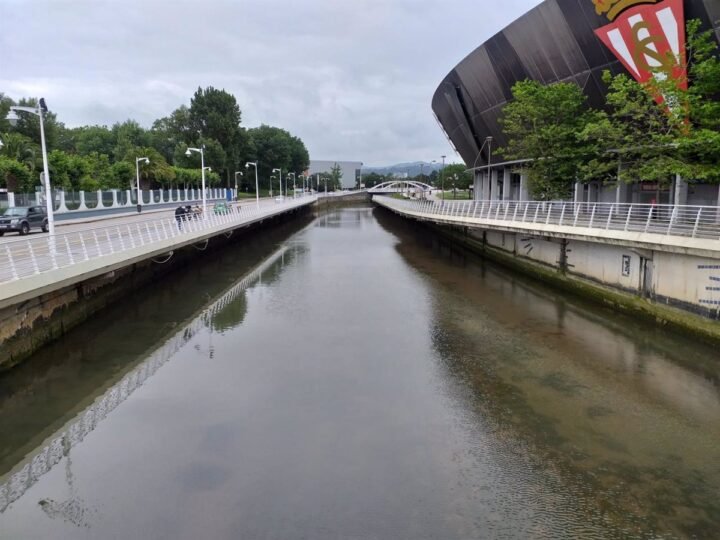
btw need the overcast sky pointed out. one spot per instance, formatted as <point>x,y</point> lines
<point>352,78</point>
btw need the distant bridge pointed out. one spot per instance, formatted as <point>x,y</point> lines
<point>400,186</point>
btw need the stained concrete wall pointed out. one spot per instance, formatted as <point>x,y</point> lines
<point>685,281</point>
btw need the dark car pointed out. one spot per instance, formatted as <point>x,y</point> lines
<point>23,218</point>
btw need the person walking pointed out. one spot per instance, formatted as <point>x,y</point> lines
<point>180,212</point>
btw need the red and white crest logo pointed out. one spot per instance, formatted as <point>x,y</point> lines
<point>649,39</point>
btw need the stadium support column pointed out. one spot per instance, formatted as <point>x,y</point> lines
<point>477,185</point>
<point>579,188</point>
<point>681,190</point>
<point>523,187</point>
<point>486,186</point>
<point>494,185</point>
<point>507,184</point>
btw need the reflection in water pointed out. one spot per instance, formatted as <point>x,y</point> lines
<point>41,461</point>
<point>606,407</point>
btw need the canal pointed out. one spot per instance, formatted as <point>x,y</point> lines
<point>352,376</point>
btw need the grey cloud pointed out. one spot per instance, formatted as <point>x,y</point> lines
<point>354,79</point>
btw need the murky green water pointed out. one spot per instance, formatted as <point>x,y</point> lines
<point>353,377</point>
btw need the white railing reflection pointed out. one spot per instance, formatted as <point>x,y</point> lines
<point>59,446</point>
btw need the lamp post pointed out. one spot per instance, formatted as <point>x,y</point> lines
<point>236,184</point>
<point>257,186</point>
<point>279,171</point>
<point>137,180</point>
<point>442,178</point>
<point>38,111</point>
<point>293,175</point>
<point>201,151</point>
<point>488,140</point>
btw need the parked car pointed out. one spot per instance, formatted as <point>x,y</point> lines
<point>22,219</point>
<point>221,208</point>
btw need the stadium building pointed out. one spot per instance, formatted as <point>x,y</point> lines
<point>568,41</point>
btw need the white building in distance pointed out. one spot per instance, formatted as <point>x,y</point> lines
<point>350,170</point>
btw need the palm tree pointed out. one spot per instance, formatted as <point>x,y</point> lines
<point>20,148</point>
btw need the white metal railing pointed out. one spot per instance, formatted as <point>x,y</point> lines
<point>666,220</point>
<point>32,256</point>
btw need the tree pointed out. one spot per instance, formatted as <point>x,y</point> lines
<point>373,179</point>
<point>655,130</point>
<point>155,174</point>
<point>89,139</point>
<point>336,175</point>
<point>14,176</point>
<point>29,124</point>
<point>216,115</point>
<point>273,150</point>
<point>128,135</point>
<point>20,148</point>
<point>464,178</point>
<point>542,124</point>
<point>299,156</point>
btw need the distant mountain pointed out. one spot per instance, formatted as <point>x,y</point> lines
<point>412,169</point>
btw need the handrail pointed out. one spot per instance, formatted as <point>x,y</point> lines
<point>687,221</point>
<point>40,254</point>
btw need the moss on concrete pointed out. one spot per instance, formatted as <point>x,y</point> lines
<point>674,319</point>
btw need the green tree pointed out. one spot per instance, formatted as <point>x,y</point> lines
<point>463,180</point>
<point>89,139</point>
<point>273,150</point>
<point>128,135</point>
<point>20,148</point>
<point>14,176</point>
<point>542,124</point>
<point>156,174</point>
<point>215,114</point>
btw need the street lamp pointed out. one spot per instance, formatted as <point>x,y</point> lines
<point>38,111</point>
<point>293,175</point>
<point>236,184</point>
<point>279,171</point>
<point>257,186</point>
<point>137,179</point>
<point>201,151</point>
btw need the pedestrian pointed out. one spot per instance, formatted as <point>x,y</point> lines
<point>180,212</point>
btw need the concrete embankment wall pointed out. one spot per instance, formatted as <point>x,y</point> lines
<point>28,325</point>
<point>679,291</point>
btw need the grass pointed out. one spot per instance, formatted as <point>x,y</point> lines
<point>458,196</point>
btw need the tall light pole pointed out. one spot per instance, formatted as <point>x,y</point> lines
<point>201,151</point>
<point>293,175</point>
<point>442,178</point>
<point>137,180</point>
<point>279,171</point>
<point>488,140</point>
<point>38,111</point>
<point>236,184</point>
<point>257,185</point>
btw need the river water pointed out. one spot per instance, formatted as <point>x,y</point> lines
<point>353,377</point>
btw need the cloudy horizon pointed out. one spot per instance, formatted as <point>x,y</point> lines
<point>353,80</point>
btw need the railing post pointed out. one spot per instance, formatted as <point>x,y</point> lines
<point>610,213</point>
<point>527,207</point>
<point>13,270</point>
<point>592,217</point>
<point>562,215</point>
<point>142,240</point>
<point>514,218</point>
<point>69,251</point>
<point>537,209</point>
<point>627,221</point>
<point>697,222</point>
<point>84,247</point>
<point>130,236</point>
<point>107,235</point>
<point>122,242</point>
<point>549,213</point>
<point>97,243</point>
<point>673,216</point>
<point>647,224</point>
<point>576,211</point>
<point>32,257</point>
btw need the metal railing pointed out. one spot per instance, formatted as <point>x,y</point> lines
<point>666,220</point>
<point>32,256</point>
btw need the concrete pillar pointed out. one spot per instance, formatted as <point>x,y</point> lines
<point>82,201</point>
<point>62,207</point>
<point>486,186</point>
<point>11,199</point>
<point>494,191</point>
<point>115,198</point>
<point>524,192</point>
<point>37,198</point>
<point>507,185</point>
<point>477,185</point>
<point>622,193</point>
<point>579,188</point>
<point>681,190</point>
<point>128,195</point>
